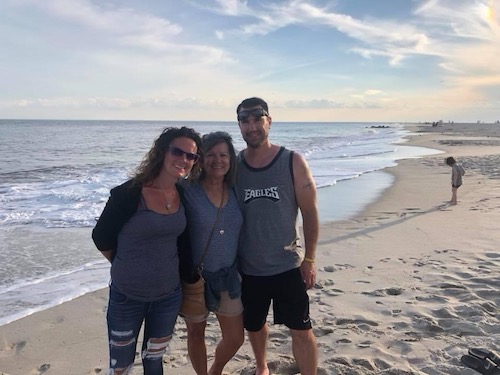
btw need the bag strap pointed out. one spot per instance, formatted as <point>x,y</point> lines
<point>200,267</point>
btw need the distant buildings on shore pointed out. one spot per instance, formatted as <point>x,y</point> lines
<point>440,122</point>
<point>437,123</point>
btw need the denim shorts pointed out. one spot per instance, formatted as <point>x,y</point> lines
<point>227,307</point>
<point>125,317</point>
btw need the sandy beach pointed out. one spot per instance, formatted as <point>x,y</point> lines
<point>406,287</point>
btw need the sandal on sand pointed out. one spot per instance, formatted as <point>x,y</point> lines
<point>484,366</point>
<point>485,353</point>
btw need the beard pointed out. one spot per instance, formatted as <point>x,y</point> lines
<point>255,142</point>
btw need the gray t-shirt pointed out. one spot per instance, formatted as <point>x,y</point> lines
<point>146,266</point>
<point>269,242</point>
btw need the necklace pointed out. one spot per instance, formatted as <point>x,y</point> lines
<point>167,203</point>
<point>168,191</point>
<point>211,198</point>
<point>221,207</point>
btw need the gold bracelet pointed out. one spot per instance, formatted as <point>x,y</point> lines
<point>310,260</point>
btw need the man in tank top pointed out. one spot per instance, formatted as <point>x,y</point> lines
<point>272,184</point>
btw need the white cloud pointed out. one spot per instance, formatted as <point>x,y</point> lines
<point>232,7</point>
<point>88,54</point>
<point>373,92</point>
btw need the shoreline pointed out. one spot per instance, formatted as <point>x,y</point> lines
<point>34,294</point>
<point>404,287</point>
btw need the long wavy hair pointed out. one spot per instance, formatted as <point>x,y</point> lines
<point>208,141</point>
<point>152,163</point>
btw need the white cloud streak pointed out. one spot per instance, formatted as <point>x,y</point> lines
<point>167,64</point>
<point>464,35</point>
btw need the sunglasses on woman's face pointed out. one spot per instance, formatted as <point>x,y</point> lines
<point>175,151</point>
<point>256,113</point>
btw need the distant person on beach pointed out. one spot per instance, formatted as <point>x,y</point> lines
<point>137,232</point>
<point>457,171</point>
<point>272,184</point>
<point>213,212</point>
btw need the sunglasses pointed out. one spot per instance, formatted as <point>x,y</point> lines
<point>256,113</point>
<point>175,151</point>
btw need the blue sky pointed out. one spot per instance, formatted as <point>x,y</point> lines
<point>312,60</point>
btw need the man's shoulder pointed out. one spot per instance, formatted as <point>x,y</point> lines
<point>293,153</point>
<point>240,156</point>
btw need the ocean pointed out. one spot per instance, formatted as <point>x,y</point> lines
<point>55,178</point>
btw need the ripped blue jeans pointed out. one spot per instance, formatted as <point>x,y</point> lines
<point>125,317</point>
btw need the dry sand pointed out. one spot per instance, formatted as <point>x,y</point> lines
<point>404,288</point>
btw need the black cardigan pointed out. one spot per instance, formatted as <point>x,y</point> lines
<point>121,206</point>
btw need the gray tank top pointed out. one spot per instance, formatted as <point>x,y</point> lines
<point>146,266</point>
<point>269,242</point>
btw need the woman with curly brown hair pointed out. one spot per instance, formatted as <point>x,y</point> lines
<point>137,232</point>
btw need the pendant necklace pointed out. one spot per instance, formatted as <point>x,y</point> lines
<point>222,204</point>
<point>223,195</point>
<point>167,204</point>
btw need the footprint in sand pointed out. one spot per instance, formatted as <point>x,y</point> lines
<point>41,370</point>
<point>365,344</point>
<point>337,267</point>
<point>394,291</point>
<point>343,341</point>
<point>11,348</point>
<point>283,365</point>
<point>323,283</point>
<point>357,322</point>
<point>329,269</point>
<point>278,336</point>
<point>333,292</point>
<point>19,346</point>
<point>322,331</point>
<point>362,362</point>
<point>446,251</point>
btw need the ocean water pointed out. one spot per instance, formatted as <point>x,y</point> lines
<point>55,178</point>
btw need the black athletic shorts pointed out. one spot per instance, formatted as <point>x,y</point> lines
<point>288,292</point>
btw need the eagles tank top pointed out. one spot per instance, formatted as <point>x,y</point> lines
<point>269,243</point>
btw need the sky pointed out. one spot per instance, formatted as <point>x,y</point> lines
<point>311,60</point>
